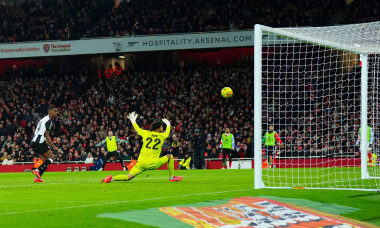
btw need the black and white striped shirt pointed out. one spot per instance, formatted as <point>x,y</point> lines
<point>43,126</point>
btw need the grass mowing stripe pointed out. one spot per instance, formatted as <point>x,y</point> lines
<point>127,201</point>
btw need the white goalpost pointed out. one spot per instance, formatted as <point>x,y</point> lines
<point>315,88</point>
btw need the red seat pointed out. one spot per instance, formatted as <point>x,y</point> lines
<point>23,123</point>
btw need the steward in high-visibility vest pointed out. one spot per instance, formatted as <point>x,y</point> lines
<point>185,162</point>
<point>111,142</point>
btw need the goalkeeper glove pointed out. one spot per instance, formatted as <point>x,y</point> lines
<point>132,117</point>
<point>166,121</point>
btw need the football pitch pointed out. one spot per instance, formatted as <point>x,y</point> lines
<point>76,199</point>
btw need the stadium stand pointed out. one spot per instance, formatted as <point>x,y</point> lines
<point>69,19</point>
<point>87,112</point>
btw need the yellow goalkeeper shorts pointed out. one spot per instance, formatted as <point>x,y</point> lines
<point>141,167</point>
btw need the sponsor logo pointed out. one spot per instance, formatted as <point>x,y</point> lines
<point>60,47</point>
<point>255,212</point>
<point>20,49</point>
<point>46,48</point>
<point>132,44</point>
<point>198,41</point>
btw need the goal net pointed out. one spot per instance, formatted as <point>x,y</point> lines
<point>315,89</point>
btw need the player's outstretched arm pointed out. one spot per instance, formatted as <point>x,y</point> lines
<point>101,143</point>
<point>167,122</point>
<point>132,117</point>
<point>120,140</point>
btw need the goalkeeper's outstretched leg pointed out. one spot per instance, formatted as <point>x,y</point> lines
<point>140,168</point>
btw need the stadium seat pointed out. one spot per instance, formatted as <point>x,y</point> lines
<point>23,123</point>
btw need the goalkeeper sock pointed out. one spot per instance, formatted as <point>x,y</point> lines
<point>120,178</point>
<point>171,167</point>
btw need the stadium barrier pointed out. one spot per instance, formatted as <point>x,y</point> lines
<point>237,163</point>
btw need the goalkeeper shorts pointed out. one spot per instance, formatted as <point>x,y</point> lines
<point>141,167</point>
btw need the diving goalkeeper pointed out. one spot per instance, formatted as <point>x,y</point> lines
<point>149,158</point>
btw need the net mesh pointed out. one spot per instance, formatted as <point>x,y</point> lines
<point>311,96</point>
<point>359,38</point>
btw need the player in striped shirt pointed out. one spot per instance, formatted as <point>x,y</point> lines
<point>42,144</point>
<point>149,158</point>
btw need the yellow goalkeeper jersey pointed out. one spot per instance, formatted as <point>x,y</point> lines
<point>152,144</point>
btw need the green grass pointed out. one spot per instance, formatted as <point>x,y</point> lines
<point>75,199</point>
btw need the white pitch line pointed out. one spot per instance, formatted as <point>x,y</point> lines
<point>57,201</point>
<point>44,184</point>
<point>127,201</point>
<point>79,182</point>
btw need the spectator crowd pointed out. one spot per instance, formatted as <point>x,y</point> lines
<point>361,12</point>
<point>188,95</point>
<point>70,19</point>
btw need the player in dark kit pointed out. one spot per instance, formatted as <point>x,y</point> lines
<point>42,144</point>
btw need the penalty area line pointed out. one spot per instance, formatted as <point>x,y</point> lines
<point>127,201</point>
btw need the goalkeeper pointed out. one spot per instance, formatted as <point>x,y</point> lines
<point>149,158</point>
<point>269,141</point>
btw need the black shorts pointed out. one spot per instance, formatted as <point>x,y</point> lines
<point>40,148</point>
<point>230,152</point>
